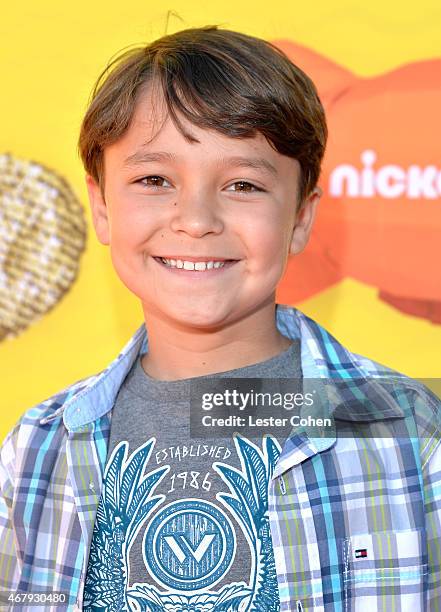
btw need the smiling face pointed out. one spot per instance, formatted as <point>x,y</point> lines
<point>220,198</point>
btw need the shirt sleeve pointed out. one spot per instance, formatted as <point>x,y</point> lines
<point>9,564</point>
<point>432,490</point>
<point>431,469</point>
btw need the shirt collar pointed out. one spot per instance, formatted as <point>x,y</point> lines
<point>354,386</point>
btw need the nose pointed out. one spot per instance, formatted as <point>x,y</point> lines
<point>196,213</point>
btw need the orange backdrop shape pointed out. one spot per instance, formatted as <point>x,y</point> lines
<point>380,218</point>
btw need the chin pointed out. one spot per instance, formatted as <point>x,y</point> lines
<point>201,319</point>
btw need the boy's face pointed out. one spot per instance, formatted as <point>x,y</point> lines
<point>198,202</point>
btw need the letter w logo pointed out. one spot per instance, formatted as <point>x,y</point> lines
<point>182,548</point>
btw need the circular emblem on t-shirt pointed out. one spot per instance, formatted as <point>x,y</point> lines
<point>189,545</point>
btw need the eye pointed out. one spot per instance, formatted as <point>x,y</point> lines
<point>155,178</point>
<point>245,187</point>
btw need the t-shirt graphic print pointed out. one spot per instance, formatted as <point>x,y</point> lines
<point>183,524</point>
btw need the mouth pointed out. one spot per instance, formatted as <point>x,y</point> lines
<point>188,266</point>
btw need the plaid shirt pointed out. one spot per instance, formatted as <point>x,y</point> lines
<point>355,515</point>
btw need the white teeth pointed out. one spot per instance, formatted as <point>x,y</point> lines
<point>190,265</point>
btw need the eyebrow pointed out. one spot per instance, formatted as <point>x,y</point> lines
<point>258,163</point>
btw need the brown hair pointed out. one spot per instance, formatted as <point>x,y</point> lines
<point>218,79</point>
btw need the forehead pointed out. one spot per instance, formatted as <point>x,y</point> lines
<point>152,129</point>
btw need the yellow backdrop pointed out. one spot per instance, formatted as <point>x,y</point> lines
<point>51,53</point>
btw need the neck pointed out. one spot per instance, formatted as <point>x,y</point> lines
<point>177,352</point>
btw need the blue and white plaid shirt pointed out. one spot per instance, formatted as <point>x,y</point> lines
<point>355,515</point>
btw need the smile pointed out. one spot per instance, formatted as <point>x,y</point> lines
<point>183,265</point>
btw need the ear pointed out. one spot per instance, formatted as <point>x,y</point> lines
<point>304,221</point>
<point>100,213</point>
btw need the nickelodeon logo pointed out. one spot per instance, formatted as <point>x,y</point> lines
<point>378,221</point>
<point>389,181</point>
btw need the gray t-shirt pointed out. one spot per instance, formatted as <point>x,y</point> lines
<point>183,521</point>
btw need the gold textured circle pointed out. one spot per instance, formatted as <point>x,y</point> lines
<point>42,235</point>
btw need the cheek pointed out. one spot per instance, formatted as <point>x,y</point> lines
<point>131,227</point>
<point>268,238</point>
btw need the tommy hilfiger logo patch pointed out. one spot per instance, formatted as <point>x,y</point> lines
<point>361,553</point>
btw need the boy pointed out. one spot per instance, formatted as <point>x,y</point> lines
<point>202,154</point>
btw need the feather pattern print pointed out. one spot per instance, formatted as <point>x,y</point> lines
<point>128,495</point>
<point>249,503</point>
<point>127,501</point>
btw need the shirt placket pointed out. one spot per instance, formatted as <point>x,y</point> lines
<point>295,544</point>
<point>86,479</point>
